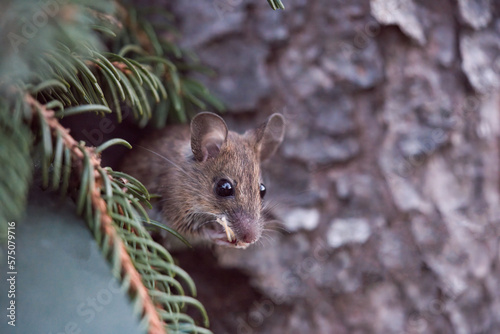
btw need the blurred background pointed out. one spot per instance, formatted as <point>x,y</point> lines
<point>386,187</point>
<point>387,181</point>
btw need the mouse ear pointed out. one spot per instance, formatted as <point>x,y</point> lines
<point>208,134</point>
<point>270,135</point>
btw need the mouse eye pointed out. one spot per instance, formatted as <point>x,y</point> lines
<point>224,188</point>
<point>262,190</point>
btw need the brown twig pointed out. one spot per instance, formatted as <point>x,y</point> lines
<point>98,203</point>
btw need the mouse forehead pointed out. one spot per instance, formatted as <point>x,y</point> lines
<point>239,161</point>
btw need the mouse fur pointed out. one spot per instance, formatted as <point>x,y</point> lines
<point>185,165</point>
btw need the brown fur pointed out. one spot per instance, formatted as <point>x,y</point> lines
<point>197,159</point>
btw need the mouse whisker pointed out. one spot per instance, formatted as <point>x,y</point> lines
<point>165,158</point>
<point>260,243</point>
<point>205,223</point>
<point>265,233</point>
<point>272,231</point>
<point>277,225</point>
<point>270,204</point>
<point>268,239</point>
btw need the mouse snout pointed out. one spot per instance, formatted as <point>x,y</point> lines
<point>246,227</point>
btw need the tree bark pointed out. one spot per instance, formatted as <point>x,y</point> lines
<point>388,178</point>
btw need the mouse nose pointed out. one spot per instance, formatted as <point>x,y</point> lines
<point>246,228</point>
<point>248,236</point>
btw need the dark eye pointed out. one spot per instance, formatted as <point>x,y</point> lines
<point>262,190</point>
<point>224,188</point>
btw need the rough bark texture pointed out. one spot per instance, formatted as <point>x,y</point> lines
<point>388,179</point>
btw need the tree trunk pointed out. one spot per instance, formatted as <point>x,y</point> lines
<point>388,177</point>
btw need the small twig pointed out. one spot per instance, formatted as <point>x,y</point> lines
<point>229,232</point>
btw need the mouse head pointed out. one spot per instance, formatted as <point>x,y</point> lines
<point>227,165</point>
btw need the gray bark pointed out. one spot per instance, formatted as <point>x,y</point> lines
<point>388,177</point>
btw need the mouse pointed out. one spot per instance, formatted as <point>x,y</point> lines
<point>208,178</point>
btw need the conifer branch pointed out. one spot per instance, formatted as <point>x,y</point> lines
<point>78,154</point>
<point>114,215</point>
<point>276,4</point>
<point>60,71</point>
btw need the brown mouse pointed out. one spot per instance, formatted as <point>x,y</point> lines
<point>209,178</point>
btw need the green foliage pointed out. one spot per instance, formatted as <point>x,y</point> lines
<point>153,262</point>
<point>276,4</point>
<point>62,58</point>
<point>140,42</point>
<point>50,76</point>
<point>30,28</point>
<point>16,162</point>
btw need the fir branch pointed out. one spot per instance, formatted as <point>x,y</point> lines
<point>169,63</point>
<point>90,77</point>
<point>60,71</point>
<point>115,216</point>
<point>276,4</point>
<point>99,204</point>
<point>16,139</point>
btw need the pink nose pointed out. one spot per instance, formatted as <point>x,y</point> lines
<point>249,236</point>
<point>247,230</point>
